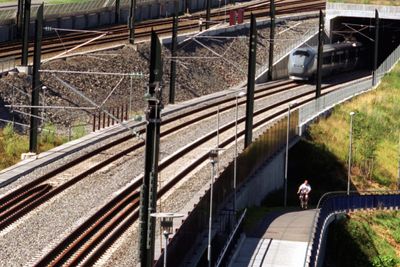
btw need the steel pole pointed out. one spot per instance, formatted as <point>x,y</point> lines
<point>131,22</point>
<point>376,48</point>
<point>286,157</point>
<point>174,46</point>
<point>166,234</point>
<point>208,13</point>
<point>398,170</point>
<point>251,82</point>
<point>117,11</point>
<point>148,194</point>
<point>350,150</point>
<point>25,32</point>
<point>271,40</point>
<point>320,51</point>
<point>211,209</point>
<point>236,155</point>
<point>36,83</point>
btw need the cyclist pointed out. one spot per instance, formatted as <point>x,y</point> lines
<point>304,190</point>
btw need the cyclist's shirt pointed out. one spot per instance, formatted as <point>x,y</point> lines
<point>305,189</point>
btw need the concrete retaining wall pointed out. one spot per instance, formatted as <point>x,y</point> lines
<point>268,178</point>
<point>106,16</point>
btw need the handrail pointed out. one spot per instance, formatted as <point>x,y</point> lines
<point>221,256</point>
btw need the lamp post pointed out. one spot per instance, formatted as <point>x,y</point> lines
<point>350,149</point>
<point>241,94</point>
<point>213,161</point>
<point>167,226</point>
<point>286,157</point>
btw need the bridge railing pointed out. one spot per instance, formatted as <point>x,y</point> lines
<point>339,202</point>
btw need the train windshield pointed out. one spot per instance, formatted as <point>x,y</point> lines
<point>301,53</point>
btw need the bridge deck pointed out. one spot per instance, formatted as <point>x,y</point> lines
<point>280,240</point>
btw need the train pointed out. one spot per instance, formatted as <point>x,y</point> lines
<point>337,57</point>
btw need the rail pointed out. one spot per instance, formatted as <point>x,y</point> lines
<point>339,202</point>
<point>231,241</point>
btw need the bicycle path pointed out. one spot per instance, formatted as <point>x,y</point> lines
<point>281,239</point>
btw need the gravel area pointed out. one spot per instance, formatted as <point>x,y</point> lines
<point>203,73</point>
<point>30,237</point>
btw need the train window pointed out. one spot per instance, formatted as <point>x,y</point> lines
<point>301,53</point>
<point>327,60</point>
<point>335,58</point>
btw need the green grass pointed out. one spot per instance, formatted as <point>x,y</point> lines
<point>365,239</point>
<point>12,144</point>
<point>376,134</point>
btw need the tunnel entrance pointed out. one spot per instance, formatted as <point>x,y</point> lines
<point>363,30</point>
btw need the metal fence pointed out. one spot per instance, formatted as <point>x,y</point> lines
<point>309,111</point>
<point>389,63</point>
<point>263,148</point>
<point>60,10</point>
<point>7,64</point>
<point>312,109</point>
<point>339,202</point>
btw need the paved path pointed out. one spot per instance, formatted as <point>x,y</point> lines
<point>280,240</point>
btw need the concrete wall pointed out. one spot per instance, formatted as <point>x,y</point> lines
<point>106,16</point>
<point>268,178</point>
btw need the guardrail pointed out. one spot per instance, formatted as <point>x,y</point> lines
<point>339,202</point>
<point>223,257</point>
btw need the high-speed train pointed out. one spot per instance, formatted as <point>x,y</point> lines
<point>335,58</point>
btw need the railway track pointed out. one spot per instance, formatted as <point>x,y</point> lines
<point>88,243</point>
<point>26,198</point>
<point>119,33</point>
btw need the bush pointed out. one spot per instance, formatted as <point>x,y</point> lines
<point>384,261</point>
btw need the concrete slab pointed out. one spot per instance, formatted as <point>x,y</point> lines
<point>283,243</point>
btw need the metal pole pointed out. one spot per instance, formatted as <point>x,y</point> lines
<point>251,82</point>
<point>208,13</point>
<point>117,11</point>
<point>20,16</point>
<point>212,157</point>
<point>131,22</point>
<point>148,194</point>
<point>286,156</point>
<point>376,47</point>
<point>25,33</point>
<point>173,60</point>
<point>271,39</point>
<point>350,150</point>
<point>320,51</point>
<point>130,97</point>
<point>398,172</point>
<point>236,154</point>
<point>166,234</point>
<point>33,131</point>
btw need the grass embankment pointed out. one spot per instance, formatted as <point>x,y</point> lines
<point>12,144</point>
<point>365,239</point>
<point>369,2</point>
